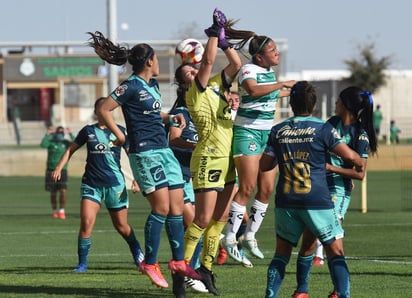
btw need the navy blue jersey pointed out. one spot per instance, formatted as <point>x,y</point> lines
<point>103,158</point>
<point>189,134</point>
<point>300,145</point>
<point>141,105</point>
<point>358,140</point>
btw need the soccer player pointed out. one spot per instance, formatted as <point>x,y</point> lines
<point>260,91</point>
<point>102,180</point>
<point>353,121</point>
<point>152,161</point>
<point>212,167</point>
<point>56,145</point>
<point>299,146</point>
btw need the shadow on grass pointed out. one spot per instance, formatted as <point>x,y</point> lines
<point>90,292</point>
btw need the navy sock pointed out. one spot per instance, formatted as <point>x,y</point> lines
<point>195,263</point>
<point>275,275</point>
<point>303,267</point>
<point>83,247</point>
<point>340,275</point>
<point>241,231</point>
<point>174,230</point>
<point>135,247</point>
<point>152,232</point>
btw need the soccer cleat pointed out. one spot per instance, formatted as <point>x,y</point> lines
<point>81,268</point>
<point>334,294</point>
<point>62,215</point>
<point>208,278</point>
<point>232,250</point>
<point>318,261</point>
<point>154,274</point>
<point>55,214</point>
<point>183,268</point>
<point>300,295</point>
<point>245,261</point>
<point>179,289</point>
<point>222,256</point>
<point>138,257</point>
<point>196,285</point>
<point>251,245</point>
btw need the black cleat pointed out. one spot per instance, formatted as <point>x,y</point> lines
<point>208,278</point>
<point>179,288</point>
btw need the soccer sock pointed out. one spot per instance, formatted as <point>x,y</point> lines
<point>319,249</point>
<point>135,247</point>
<point>152,232</point>
<point>191,239</point>
<point>236,214</point>
<point>195,263</point>
<point>174,230</point>
<point>303,267</point>
<point>241,231</point>
<point>275,275</point>
<point>340,275</point>
<point>211,242</point>
<point>257,213</point>
<point>83,247</point>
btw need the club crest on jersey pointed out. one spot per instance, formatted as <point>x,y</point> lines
<point>120,90</point>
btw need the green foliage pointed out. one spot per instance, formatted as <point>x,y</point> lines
<point>367,71</point>
<point>38,252</point>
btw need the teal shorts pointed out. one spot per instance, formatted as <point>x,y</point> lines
<point>189,194</point>
<point>156,169</point>
<point>341,204</point>
<point>324,224</point>
<point>249,141</point>
<point>115,197</point>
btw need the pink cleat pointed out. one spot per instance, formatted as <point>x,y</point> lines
<point>154,274</point>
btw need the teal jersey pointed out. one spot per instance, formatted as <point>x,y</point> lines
<point>357,139</point>
<point>256,113</point>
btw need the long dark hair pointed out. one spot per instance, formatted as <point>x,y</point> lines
<point>360,104</point>
<point>181,90</point>
<point>137,56</point>
<point>239,38</point>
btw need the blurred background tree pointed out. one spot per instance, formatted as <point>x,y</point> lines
<point>367,70</point>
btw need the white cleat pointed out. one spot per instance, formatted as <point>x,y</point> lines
<point>232,250</point>
<point>245,261</point>
<point>251,245</point>
<point>196,285</point>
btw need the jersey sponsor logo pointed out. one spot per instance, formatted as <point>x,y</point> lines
<point>157,173</point>
<point>214,175</point>
<point>202,168</point>
<point>120,90</point>
<point>156,108</point>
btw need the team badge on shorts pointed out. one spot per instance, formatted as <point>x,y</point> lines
<point>214,175</point>
<point>252,146</point>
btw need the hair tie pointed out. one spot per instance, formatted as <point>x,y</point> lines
<point>369,96</point>
<point>261,46</point>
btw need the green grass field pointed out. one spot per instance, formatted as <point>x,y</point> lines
<point>37,252</point>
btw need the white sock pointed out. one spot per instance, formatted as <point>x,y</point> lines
<point>319,249</point>
<point>256,216</point>
<point>235,220</point>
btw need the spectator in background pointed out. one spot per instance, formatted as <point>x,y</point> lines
<point>394,133</point>
<point>56,144</point>
<point>377,120</point>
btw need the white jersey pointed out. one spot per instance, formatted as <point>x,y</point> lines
<point>256,113</point>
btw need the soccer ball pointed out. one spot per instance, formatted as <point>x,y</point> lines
<point>190,51</point>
